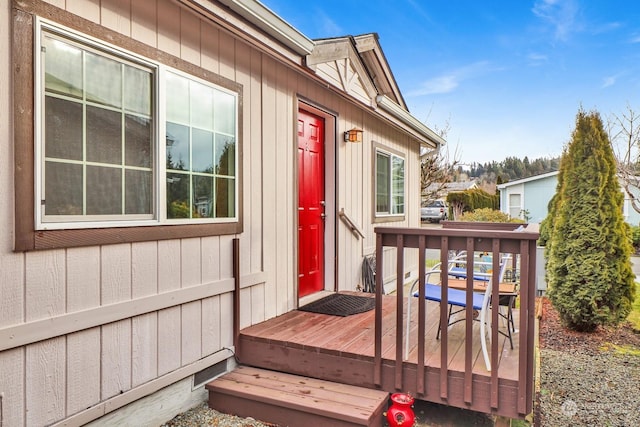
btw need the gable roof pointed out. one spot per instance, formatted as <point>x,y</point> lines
<point>529,179</point>
<point>358,63</point>
<point>365,50</point>
<point>451,187</point>
<point>372,55</point>
<point>361,65</point>
<point>341,54</point>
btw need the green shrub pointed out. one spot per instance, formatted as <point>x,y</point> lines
<point>487,215</point>
<point>470,200</point>
<point>634,233</point>
<point>634,316</point>
<point>589,276</point>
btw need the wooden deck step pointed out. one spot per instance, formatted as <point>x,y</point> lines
<point>292,400</point>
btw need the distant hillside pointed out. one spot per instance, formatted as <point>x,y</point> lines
<point>509,169</point>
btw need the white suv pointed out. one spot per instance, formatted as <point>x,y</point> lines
<point>434,211</point>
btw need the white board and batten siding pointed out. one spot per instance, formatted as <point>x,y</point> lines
<point>88,330</point>
<point>356,177</point>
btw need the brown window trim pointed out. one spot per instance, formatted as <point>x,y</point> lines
<point>26,236</point>
<point>388,218</point>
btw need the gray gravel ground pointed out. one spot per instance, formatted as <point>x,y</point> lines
<point>589,389</point>
<point>201,416</point>
<point>427,415</point>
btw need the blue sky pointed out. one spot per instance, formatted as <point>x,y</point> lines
<point>508,76</point>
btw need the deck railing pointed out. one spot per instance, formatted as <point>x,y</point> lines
<point>496,242</point>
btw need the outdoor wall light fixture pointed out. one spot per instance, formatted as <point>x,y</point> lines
<point>353,135</point>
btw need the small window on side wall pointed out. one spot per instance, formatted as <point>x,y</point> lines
<point>389,184</point>
<point>515,205</point>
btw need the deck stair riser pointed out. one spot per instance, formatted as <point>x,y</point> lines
<point>292,400</point>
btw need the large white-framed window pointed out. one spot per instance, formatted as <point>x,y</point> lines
<point>122,140</point>
<point>389,183</point>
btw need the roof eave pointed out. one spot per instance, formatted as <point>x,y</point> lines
<point>272,24</point>
<point>406,118</point>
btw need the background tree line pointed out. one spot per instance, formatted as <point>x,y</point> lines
<point>509,169</point>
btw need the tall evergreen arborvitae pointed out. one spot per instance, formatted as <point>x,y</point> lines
<point>588,264</point>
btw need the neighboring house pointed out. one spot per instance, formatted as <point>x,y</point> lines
<point>528,198</point>
<point>449,187</point>
<point>138,141</point>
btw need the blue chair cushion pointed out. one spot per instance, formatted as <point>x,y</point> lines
<point>456,297</point>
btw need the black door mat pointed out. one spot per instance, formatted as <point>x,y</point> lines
<point>340,305</point>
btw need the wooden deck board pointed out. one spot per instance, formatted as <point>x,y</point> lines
<point>288,325</point>
<point>295,400</point>
<point>339,332</point>
<point>327,391</point>
<point>344,331</point>
<point>388,333</point>
<point>344,339</point>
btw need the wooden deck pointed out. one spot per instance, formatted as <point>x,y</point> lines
<point>342,349</point>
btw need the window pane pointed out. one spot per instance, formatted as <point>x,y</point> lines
<point>63,191</point>
<point>225,198</point>
<point>202,151</point>
<point>177,147</point>
<point>104,136</point>
<point>201,106</point>
<point>225,155</point>
<point>138,192</point>
<point>63,68</point>
<point>208,158</point>
<point>224,108</point>
<point>104,190</point>
<point>398,184</point>
<point>177,98</point>
<point>98,146</point>
<point>104,80</point>
<point>382,183</point>
<point>137,136</point>
<point>63,129</point>
<point>178,189</point>
<point>203,196</point>
<point>137,90</point>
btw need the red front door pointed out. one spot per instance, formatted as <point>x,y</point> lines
<point>310,203</point>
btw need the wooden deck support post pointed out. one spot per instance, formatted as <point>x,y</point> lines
<point>236,296</point>
<point>421,386</point>
<point>444,321</point>
<point>399,308</point>
<point>377,358</point>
